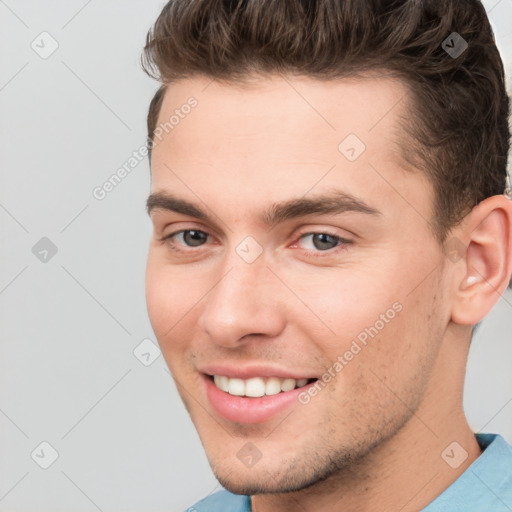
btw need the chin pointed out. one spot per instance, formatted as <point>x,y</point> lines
<point>254,486</point>
<point>282,478</point>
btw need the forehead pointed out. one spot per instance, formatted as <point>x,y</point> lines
<point>282,133</point>
<point>301,106</point>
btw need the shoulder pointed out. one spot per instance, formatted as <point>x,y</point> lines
<point>222,501</point>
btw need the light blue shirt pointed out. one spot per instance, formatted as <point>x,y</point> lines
<point>485,486</point>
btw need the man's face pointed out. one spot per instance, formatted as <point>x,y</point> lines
<point>272,284</point>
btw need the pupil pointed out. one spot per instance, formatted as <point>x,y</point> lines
<point>324,241</point>
<point>194,238</point>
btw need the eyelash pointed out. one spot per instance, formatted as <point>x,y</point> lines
<point>341,242</point>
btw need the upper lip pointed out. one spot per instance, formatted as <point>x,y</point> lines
<point>249,370</point>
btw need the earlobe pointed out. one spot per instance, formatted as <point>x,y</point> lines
<point>487,231</point>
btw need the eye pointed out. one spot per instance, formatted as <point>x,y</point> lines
<point>188,237</point>
<point>315,242</point>
<point>321,241</point>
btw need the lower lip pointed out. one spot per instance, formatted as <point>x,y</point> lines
<point>241,409</point>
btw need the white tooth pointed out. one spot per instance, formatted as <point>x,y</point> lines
<point>302,382</point>
<point>236,387</point>
<point>288,384</point>
<point>216,379</point>
<point>273,386</point>
<point>255,387</point>
<point>223,383</point>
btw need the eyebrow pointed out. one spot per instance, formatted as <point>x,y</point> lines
<point>335,202</point>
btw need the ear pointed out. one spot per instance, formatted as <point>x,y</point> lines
<point>483,270</point>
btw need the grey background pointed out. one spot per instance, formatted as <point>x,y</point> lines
<point>69,326</point>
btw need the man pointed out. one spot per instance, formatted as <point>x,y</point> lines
<point>330,222</point>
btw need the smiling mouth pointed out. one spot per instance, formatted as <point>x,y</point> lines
<point>257,387</point>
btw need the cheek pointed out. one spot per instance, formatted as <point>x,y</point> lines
<point>167,298</point>
<point>156,298</point>
<point>394,365</point>
<point>379,383</point>
<point>381,328</point>
<point>345,307</point>
<point>175,297</point>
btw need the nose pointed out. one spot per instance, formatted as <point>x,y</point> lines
<point>245,302</point>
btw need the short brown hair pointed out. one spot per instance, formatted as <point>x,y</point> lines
<point>460,108</point>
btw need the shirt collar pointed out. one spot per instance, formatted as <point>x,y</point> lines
<point>485,485</point>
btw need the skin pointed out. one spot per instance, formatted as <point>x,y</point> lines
<point>372,438</point>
